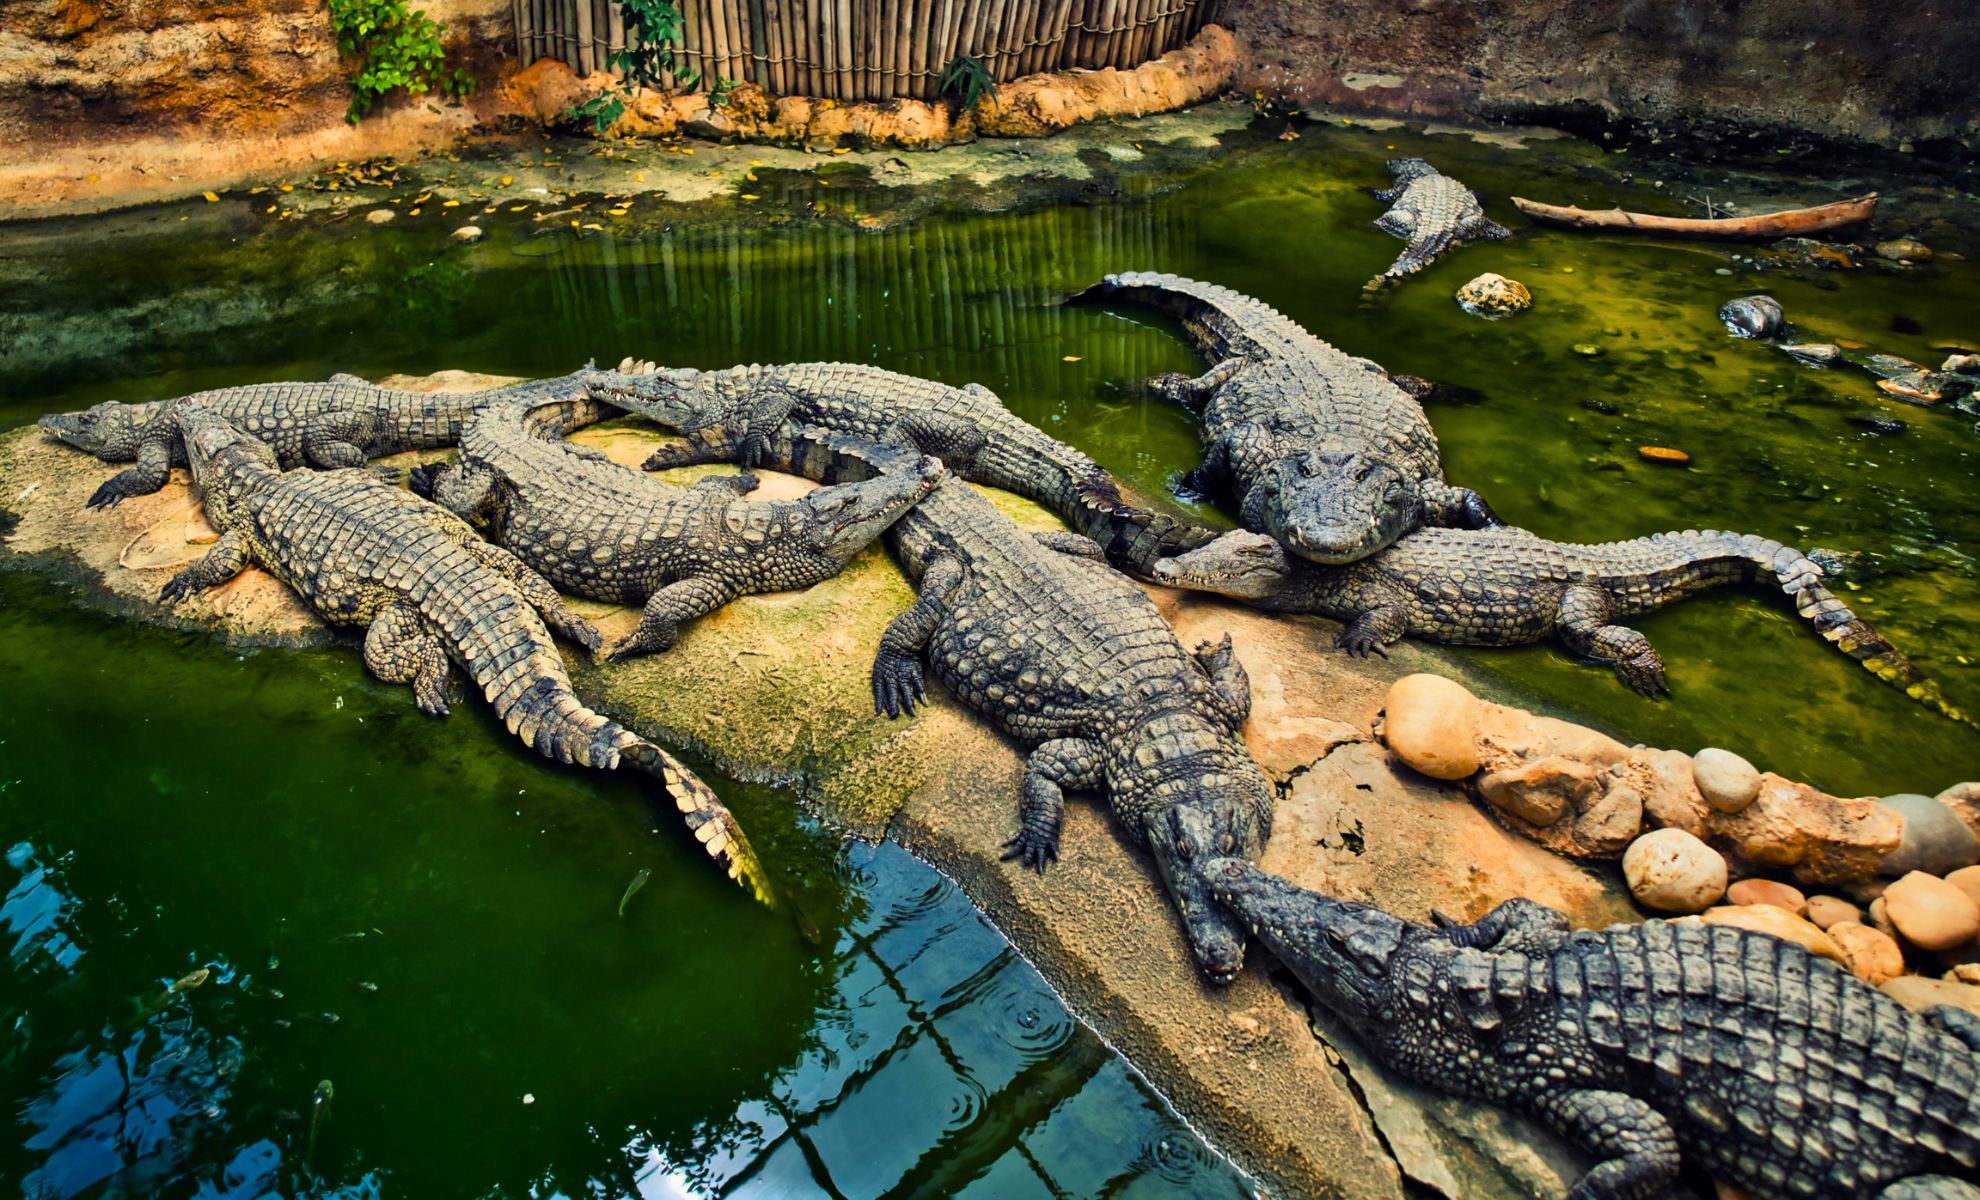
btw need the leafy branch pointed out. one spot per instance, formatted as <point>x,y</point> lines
<point>394,49</point>
<point>968,80</point>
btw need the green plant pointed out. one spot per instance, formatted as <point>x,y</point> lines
<point>653,29</point>
<point>718,96</point>
<point>394,48</point>
<point>968,80</point>
<point>601,110</point>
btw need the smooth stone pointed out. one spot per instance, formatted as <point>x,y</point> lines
<point>1767,891</point>
<point>1432,725</point>
<point>1964,973</point>
<point>1871,956</point>
<point>1903,250</point>
<point>1825,911</point>
<point>1815,354</point>
<point>1608,824</point>
<point>1671,871</point>
<point>1662,454</point>
<point>1752,316</point>
<point>1934,841</point>
<point>380,216</point>
<point>1493,295</point>
<point>1588,349</point>
<point>1728,782</point>
<point>1930,913</point>
<point>1961,364</point>
<point>1967,879</point>
<point>1920,994</point>
<point>468,233</point>
<point>1878,919</point>
<point>1765,918</point>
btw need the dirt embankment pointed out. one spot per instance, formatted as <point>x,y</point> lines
<point>105,104</point>
<point>1878,71</point>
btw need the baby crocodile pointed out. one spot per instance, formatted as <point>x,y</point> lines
<point>365,554</point>
<point>596,529</point>
<point>1040,636</point>
<point>1320,449</point>
<point>727,415</point>
<point>1507,587</point>
<point>339,423</point>
<point>1774,1070</point>
<point>1432,212</point>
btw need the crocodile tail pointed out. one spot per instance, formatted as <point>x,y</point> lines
<point>1801,578</point>
<point>710,820</point>
<point>553,420</point>
<point>1223,323</point>
<point>549,716</point>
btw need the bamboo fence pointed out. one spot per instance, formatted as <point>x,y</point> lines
<point>868,49</point>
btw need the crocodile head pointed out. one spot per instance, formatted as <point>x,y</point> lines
<point>1335,505</point>
<point>677,397</point>
<point>1226,811</point>
<point>226,463</point>
<point>1402,170</point>
<point>470,491</point>
<point>846,517</point>
<point>1241,564</point>
<point>1347,954</point>
<point>107,430</point>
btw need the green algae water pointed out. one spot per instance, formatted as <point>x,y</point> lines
<point>168,805</point>
<point>426,915</point>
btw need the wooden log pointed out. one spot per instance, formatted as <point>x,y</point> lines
<point>1792,222</point>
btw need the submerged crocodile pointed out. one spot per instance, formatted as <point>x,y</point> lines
<point>1320,449</point>
<point>728,415</point>
<point>1433,213</point>
<point>337,423</point>
<point>1507,587</point>
<point>1774,1070</point>
<point>425,589</point>
<point>1038,635</point>
<point>596,529</point>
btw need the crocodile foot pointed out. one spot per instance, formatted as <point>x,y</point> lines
<point>1643,674</point>
<point>1033,848</point>
<point>115,490</point>
<point>1360,640</point>
<point>897,685</point>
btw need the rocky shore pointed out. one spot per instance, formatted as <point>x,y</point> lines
<point>1266,1080</point>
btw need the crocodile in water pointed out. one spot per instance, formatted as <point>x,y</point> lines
<point>1507,587</point>
<point>1433,213</point>
<point>1647,1045</point>
<point>1037,634</point>
<point>425,589</point>
<point>1320,449</point>
<point>597,529</point>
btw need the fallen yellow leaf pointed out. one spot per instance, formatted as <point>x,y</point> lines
<point>415,212</point>
<point>751,176</point>
<point>639,177</point>
<point>590,225</point>
<point>755,162</point>
<point>751,196</point>
<point>253,191</point>
<point>517,207</point>
<point>210,197</point>
<point>507,180</point>
<point>92,179</point>
<point>288,187</point>
<point>1072,358</point>
<point>842,150</point>
<point>422,198</point>
<point>451,204</point>
<point>615,212</point>
<point>272,208</point>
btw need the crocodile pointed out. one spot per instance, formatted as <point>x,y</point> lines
<point>596,529</point>
<point>1320,449</point>
<point>1068,657</point>
<point>1508,587</point>
<point>425,589</point>
<point>340,422</point>
<point>1433,213</point>
<point>1647,1045</point>
<point>728,414</point>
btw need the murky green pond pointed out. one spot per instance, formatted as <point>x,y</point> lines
<point>168,805</point>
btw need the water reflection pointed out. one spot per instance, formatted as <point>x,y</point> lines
<point>38,913</point>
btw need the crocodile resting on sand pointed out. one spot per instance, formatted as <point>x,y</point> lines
<point>1038,635</point>
<point>727,415</point>
<point>1433,213</point>
<point>338,423</point>
<point>1507,587</point>
<point>596,529</point>
<point>1648,1045</point>
<point>1320,449</point>
<point>425,589</point>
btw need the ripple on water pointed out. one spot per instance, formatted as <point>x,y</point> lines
<point>1027,1016</point>
<point>1171,1152</point>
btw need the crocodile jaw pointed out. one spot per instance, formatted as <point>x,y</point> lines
<point>1240,564</point>
<point>1343,952</point>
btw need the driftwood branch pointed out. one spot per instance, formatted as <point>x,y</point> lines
<point>1791,222</point>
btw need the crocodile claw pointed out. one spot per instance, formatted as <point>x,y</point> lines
<point>176,589</point>
<point>113,491</point>
<point>1361,642</point>
<point>1032,848</point>
<point>1644,675</point>
<point>897,685</point>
